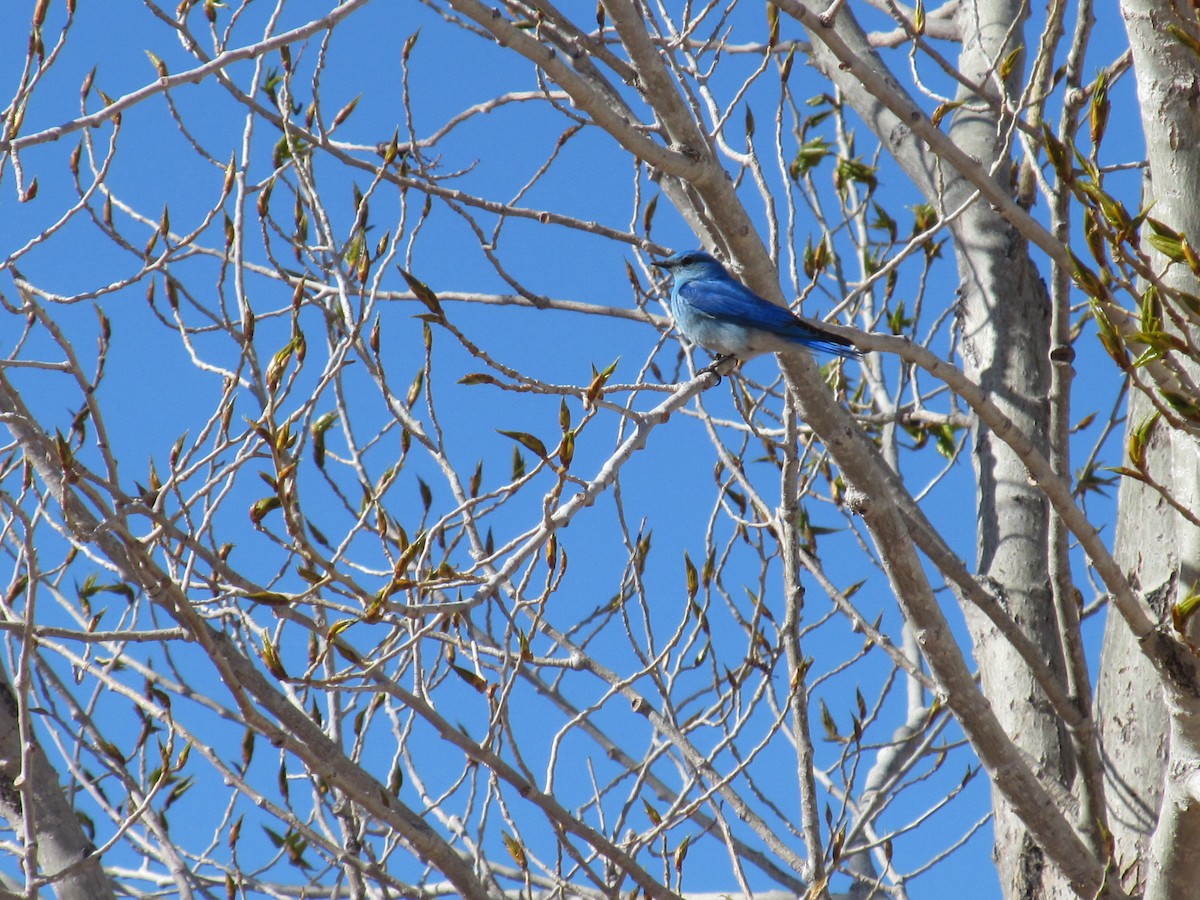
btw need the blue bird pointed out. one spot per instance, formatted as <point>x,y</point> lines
<point>725,317</point>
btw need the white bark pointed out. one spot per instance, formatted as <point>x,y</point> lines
<point>30,793</point>
<point>1152,725</point>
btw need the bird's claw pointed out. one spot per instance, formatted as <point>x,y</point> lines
<point>714,368</point>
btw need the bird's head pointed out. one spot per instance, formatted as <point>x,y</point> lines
<point>691,263</point>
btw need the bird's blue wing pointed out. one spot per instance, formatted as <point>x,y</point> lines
<point>736,304</point>
<point>726,300</point>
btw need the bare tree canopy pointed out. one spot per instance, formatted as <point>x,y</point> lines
<point>369,529</point>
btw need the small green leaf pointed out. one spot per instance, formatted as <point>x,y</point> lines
<point>648,215</point>
<point>1100,106</point>
<point>414,389</point>
<point>566,451</point>
<point>1185,609</point>
<point>271,659</point>
<point>651,812</point>
<point>693,578</point>
<point>772,25</point>
<point>515,850</point>
<point>527,441</point>
<point>1009,63</point>
<point>279,362</point>
<point>1185,37</point>
<point>681,852</point>
<point>827,721</point>
<point>422,292</point>
<point>470,678</point>
<point>599,379</point>
<point>319,427</point>
<point>785,68</point>
<point>344,113</point>
<point>945,439</point>
<point>808,157</point>
<point>269,598</point>
<point>260,508</point>
<point>477,378</point>
<point>1185,405</point>
<point>854,171</point>
<point>1138,440</point>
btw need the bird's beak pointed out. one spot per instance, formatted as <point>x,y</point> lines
<point>661,264</point>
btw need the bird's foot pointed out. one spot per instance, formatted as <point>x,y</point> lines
<point>715,366</point>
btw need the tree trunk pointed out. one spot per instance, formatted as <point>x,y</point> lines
<point>1150,734</point>
<point>61,843</point>
<point>1004,314</point>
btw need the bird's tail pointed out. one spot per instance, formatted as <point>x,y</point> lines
<point>827,342</point>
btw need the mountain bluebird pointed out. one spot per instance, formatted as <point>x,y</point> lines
<point>726,318</point>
